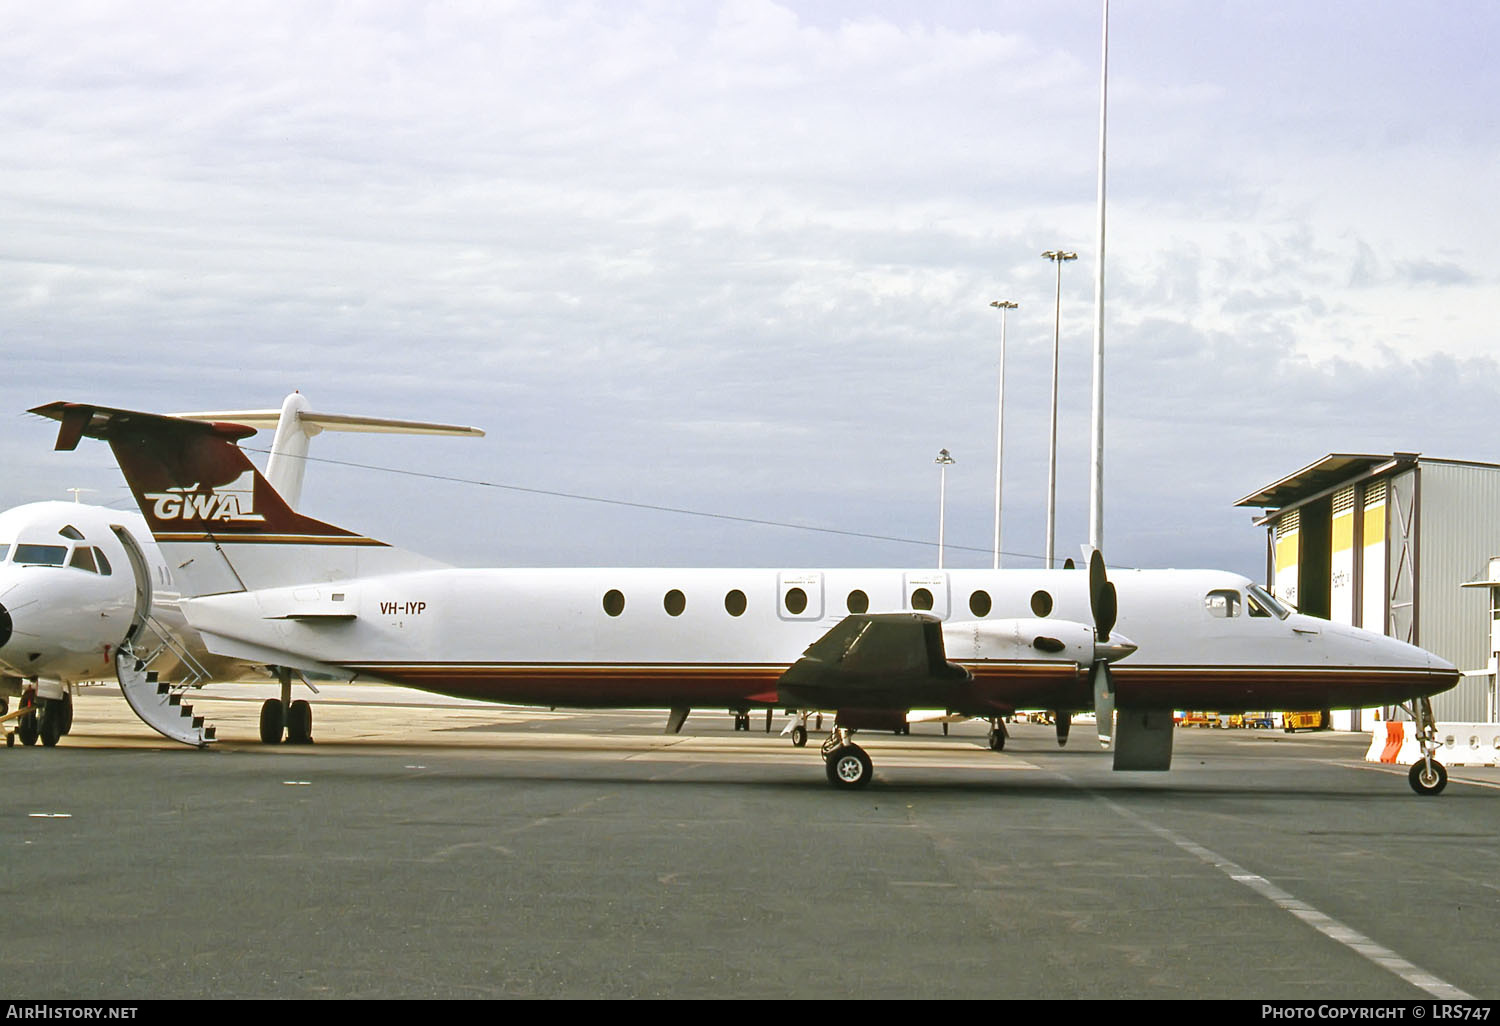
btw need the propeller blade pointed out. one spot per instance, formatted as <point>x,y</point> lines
<point>1104,704</point>
<point>1102,601</point>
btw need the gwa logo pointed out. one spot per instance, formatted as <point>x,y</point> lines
<point>235,501</point>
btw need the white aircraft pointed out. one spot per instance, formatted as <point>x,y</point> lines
<point>82,587</point>
<point>268,585</point>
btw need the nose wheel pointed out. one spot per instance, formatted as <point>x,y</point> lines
<point>1427,776</point>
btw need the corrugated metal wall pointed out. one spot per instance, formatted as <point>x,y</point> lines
<point>1459,530</point>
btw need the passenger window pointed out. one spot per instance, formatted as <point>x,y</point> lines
<point>1223,604</point>
<point>796,600</point>
<point>614,602</point>
<point>979,603</point>
<point>83,559</point>
<point>921,599</point>
<point>1041,603</point>
<point>734,603</point>
<point>858,602</point>
<point>674,602</point>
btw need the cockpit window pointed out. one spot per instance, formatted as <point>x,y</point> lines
<point>104,568</point>
<point>4,551</point>
<point>1223,604</point>
<point>41,555</point>
<point>83,559</point>
<point>1263,603</point>
<point>71,532</point>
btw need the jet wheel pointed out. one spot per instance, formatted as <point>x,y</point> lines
<point>49,725</point>
<point>849,767</point>
<point>299,723</point>
<point>799,736</point>
<point>1427,781</point>
<point>271,722</point>
<point>997,740</point>
<point>26,728</point>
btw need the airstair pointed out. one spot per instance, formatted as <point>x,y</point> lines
<point>158,703</point>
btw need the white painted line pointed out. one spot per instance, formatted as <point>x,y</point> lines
<point>1320,921</point>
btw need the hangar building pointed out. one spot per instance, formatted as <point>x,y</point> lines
<point>1386,542</point>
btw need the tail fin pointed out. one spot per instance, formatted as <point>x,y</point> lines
<point>296,423</point>
<point>221,525</point>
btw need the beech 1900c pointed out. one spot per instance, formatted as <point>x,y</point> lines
<point>266,584</point>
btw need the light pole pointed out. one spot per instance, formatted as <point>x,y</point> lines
<point>1004,306</point>
<point>1096,446</point>
<point>1058,257</point>
<point>943,461</point>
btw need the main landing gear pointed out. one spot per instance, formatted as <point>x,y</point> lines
<point>847,764</point>
<point>997,735</point>
<point>1427,776</point>
<point>282,715</point>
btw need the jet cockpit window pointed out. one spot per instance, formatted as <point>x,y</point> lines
<point>71,532</point>
<point>41,555</point>
<point>104,568</point>
<point>1263,603</point>
<point>1223,604</point>
<point>4,552</point>
<point>83,559</point>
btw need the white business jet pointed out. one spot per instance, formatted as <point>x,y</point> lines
<point>265,584</point>
<point>84,586</point>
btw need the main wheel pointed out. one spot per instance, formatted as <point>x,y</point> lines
<point>799,736</point>
<point>49,721</point>
<point>271,722</point>
<point>997,740</point>
<point>849,767</point>
<point>1427,781</point>
<point>26,725</point>
<point>299,723</point>
<point>67,714</point>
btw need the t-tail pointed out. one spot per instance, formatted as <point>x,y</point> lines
<point>220,523</point>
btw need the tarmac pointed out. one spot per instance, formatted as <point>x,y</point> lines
<point>426,848</point>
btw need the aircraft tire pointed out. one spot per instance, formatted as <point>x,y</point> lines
<point>1427,783</point>
<point>67,714</point>
<point>299,723</point>
<point>26,726</point>
<point>799,736</point>
<point>849,767</point>
<point>271,722</point>
<point>997,740</point>
<point>49,722</point>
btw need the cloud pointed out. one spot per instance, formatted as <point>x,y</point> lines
<point>738,257</point>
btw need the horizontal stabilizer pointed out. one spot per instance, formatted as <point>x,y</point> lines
<point>296,423</point>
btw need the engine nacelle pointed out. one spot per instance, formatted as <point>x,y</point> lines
<point>1031,639</point>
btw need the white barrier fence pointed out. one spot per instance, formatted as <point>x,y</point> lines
<point>1461,744</point>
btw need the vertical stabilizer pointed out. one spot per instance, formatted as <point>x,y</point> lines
<point>221,525</point>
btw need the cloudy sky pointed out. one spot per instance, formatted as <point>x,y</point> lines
<point>737,258</point>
